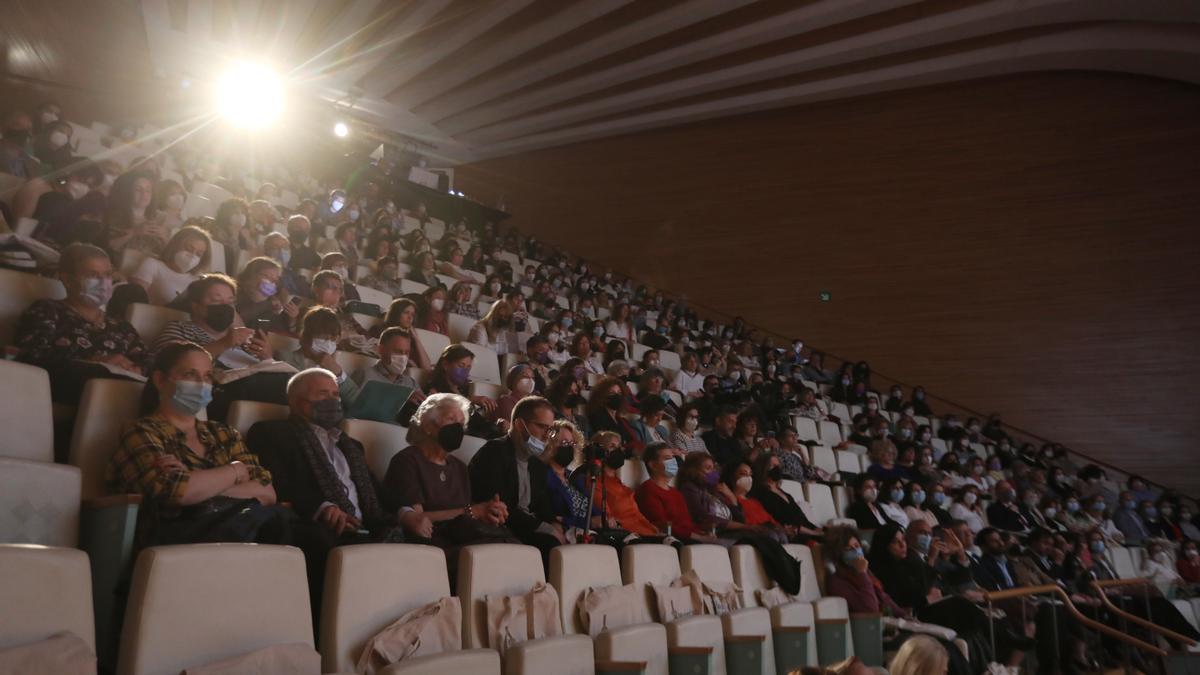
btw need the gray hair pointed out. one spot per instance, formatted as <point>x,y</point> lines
<point>617,367</point>
<point>431,409</point>
<point>301,378</point>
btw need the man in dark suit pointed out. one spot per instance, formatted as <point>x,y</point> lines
<point>1004,512</point>
<point>992,570</point>
<point>511,467</point>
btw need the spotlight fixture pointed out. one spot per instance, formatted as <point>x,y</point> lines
<point>341,130</point>
<point>250,95</point>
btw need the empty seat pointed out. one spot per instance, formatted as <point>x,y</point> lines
<point>244,414</point>
<point>364,595</point>
<point>353,362</point>
<point>658,564</point>
<point>792,622</point>
<point>574,569</point>
<point>433,343</point>
<point>831,433</point>
<point>1122,562</point>
<point>381,442</point>
<point>104,408</point>
<point>149,320</point>
<point>711,563</point>
<point>26,413</point>
<point>39,503</point>
<point>375,297</point>
<point>408,286</point>
<point>820,498</point>
<point>834,642</point>
<point>197,604</point>
<point>486,366</point>
<point>460,327</point>
<point>44,591</point>
<point>806,428</point>
<point>19,290</point>
<point>849,462</point>
<point>824,459</point>
<point>511,569</point>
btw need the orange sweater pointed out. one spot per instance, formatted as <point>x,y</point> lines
<point>623,506</point>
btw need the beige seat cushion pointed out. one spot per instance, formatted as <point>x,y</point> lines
<point>44,591</point>
<point>61,654</point>
<point>26,409</point>
<point>432,629</point>
<point>294,659</point>
<point>39,503</point>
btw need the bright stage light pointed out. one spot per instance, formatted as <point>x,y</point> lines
<point>250,95</point>
<point>341,130</point>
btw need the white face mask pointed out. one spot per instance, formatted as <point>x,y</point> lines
<point>342,272</point>
<point>324,346</point>
<point>76,189</point>
<point>175,202</point>
<point>237,219</point>
<point>969,499</point>
<point>97,291</point>
<point>554,338</point>
<point>49,118</point>
<point>524,386</point>
<point>58,139</point>
<point>690,424</point>
<point>185,261</point>
<point>437,304</point>
<point>745,483</point>
<point>399,362</point>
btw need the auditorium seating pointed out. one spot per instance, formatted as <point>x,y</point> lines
<point>39,503</point>
<point>710,562</point>
<point>19,290</point>
<point>27,407</point>
<point>243,414</point>
<point>793,622</point>
<point>44,591</point>
<point>201,603</point>
<point>150,320</point>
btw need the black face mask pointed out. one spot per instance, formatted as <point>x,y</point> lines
<point>613,402</point>
<point>219,317</point>
<point>563,455</point>
<point>450,437</point>
<point>775,473</point>
<point>327,413</point>
<point>574,400</point>
<point>614,460</point>
<point>298,238</point>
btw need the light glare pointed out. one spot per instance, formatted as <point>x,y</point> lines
<point>341,130</point>
<point>250,95</point>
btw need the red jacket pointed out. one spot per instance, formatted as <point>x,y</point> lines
<point>665,506</point>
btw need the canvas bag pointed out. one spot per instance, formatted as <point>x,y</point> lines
<point>431,629</point>
<point>607,607</point>
<point>60,654</point>
<point>513,619</point>
<point>293,659</point>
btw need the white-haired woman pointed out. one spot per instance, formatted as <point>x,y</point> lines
<point>920,655</point>
<point>431,488</point>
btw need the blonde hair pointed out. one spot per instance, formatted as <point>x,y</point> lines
<point>920,655</point>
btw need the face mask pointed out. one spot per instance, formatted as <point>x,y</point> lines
<point>745,483</point>
<point>267,287</point>
<point>76,189</point>
<point>524,386</point>
<point>554,338</point>
<point>342,272</point>
<point>536,445</point>
<point>237,220</point>
<point>670,467</point>
<point>566,321</point>
<point>923,542</point>
<point>219,317</point>
<point>977,469</point>
<point>712,478</point>
<point>1050,512</point>
<point>775,473</point>
<point>323,346</point>
<point>49,118</point>
<point>58,139</point>
<point>297,237</point>
<point>1151,513</point>
<point>353,213</point>
<point>614,460</point>
<point>1072,507</point>
<point>897,495</point>
<point>613,402</point>
<point>327,413</point>
<point>97,291</point>
<point>970,498</point>
<point>1098,507</point>
<point>450,437</point>
<point>563,455</point>
<point>918,498</point>
<point>437,304</point>
<point>690,424</point>
<point>598,331</point>
<point>191,397</point>
<point>1097,547</point>
<point>460,376</point>
<point>1128,504</point>
<point>1008,495</point>
<point>399,362</point>
<point>1192,553</point>
<point>869,495</point>
<point>906,433</point>
<point>939,498</point>
<point>337,204</point>
<point>283,255</point>
<point>495,288</point>
<point>175,202</point>
<point>185,261</point>
<point>852,555</point>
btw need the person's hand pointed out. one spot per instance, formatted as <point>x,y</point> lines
<point>484,402</point>
<point>418,396</point>
<point>790,531</point>
<point>972,594</point>
<point>726,493</point>
<point>338,520</point>
<point>497,511</point>
<point>419,524</point>
<point>237,336</point>
<point>1058,556</point>
<point>933,595</point>
<point>260,346</point>
<point>154,229</point>
<point>861,564</point>
<point>329,363</point>
<point>168,463</point>
<point>559,533</point>
<point>502,425</point>
<point>291,308</point>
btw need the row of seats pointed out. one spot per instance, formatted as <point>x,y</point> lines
<point>170,626</point>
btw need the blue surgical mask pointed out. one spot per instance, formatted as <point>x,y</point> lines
<point>939,498</point>
<point>1097,547</point>
<point>918,497</point>
<point>671,467</point>
<point>1129,504</point>
<point>923,542</point>
<point>191,397</point>
<point>851,555</point>
<point>1151,513</point>
<point>1072,507</point>
<point>536,445</point>
<point>897,495</point>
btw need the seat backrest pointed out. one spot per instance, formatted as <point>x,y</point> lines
<point>195,604</point>
<point>105,407</point>
<point>470,446</point>
<point>749,573</point>
<point>149,320</point>
<point>381,442</point>
<point>243,414</point>
<point>19,290</point>
<point>710,562</point>
<point>793,488</point>
<point>353,362</point>
<point>821,500</point>
<point>823,458</point>
<point>669,360</point>
<point>493,570</point>
<point>364,594</point>
<point>1122,562</point>
<point>460,327</point>
<point>574,569</point>
<point>486,366</point>
<point>810,588</point>
<point>409,286</point>
<point>374,297</point>
<point>39,503</point>
<point>25,412</point>
<point>433,343</point>
<point>647,564</point>
<point>633,473</point>
<point>44,591</point>
<point>831,433</point>
<point>806,429</point>
<point>848,462</point>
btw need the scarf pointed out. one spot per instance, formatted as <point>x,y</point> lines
<point>327,480</point>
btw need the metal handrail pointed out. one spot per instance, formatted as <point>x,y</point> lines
<point>1075,614</point>
<point>1126,583</point>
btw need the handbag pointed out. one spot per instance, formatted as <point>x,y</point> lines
<point>227,519</point>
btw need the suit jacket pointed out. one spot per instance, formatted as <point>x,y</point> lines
<point>1031,570</point>
<point>1004,518</point>
<point>277,443</point>
<point>494,471</point>
<point>987,573</point>
<point>863,518</point>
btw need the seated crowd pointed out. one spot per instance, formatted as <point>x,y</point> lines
<point>952,511</point>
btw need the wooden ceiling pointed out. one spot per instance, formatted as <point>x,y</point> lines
<point>484,78</point>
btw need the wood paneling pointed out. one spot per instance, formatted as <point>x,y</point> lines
<point>1027,244</point>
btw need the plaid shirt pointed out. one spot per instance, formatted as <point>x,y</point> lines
<point>132,468</point>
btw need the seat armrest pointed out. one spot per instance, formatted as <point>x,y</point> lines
<point>96,503</point>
